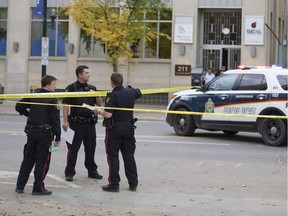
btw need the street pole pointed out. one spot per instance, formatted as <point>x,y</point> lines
<point>280,47</point>
<point>44,32</point>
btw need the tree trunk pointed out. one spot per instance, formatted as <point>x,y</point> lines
<point>115,67</point>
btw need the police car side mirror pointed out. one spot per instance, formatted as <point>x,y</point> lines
<point>196,82</point>
<point>203,88</point>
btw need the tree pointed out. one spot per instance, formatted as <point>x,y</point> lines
<point>117,24</point>
<point>3,31</point>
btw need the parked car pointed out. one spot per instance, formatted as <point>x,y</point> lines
<point>247,94</point>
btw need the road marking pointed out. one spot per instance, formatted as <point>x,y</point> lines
<point>102,136</point>
<point>31,185</point>
<point>238,165</point>
<point>7,122</point>
<point>9,174</point>
<point>199,163</point>
<point>12,132</point>
<point>59,179</point>
<point>188,143</point>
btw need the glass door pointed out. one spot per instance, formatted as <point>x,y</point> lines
<point>217,57</point>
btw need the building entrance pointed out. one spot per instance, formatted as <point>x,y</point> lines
<point>216,58</point>
<point>221,39</point>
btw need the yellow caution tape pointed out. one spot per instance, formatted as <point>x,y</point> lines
<point>86,94</point>
<point>104,93</point>
<point>165,90</point>
<point>162,111</point>
<point>55,95</point>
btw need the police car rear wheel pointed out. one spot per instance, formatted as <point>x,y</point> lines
<point>274,132</point>
<point>184,125</point>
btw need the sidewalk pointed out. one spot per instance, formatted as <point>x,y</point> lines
<point>8,108</point>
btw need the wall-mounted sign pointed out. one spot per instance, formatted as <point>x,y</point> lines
<point>254,30</point>
<point>183,70</point>
<point>183,29</point>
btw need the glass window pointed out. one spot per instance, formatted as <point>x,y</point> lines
<point>150,50</point>
<point>215,22</point>
<point>159,47</point>
<point>3,31</point>
<point>223,83</point>
<point>283,80</point>
<point>57,31</point>
<point>164,43</point>
<point>91,47</point>
<point>253,82</point>
<point>166,14</point>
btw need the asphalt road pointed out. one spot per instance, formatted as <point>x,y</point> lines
<point>208,174</point>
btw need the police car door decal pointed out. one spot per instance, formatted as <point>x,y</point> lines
<point>215,100</point>
<point>252,95</point>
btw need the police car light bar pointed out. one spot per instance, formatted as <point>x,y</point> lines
<point>245,67</point>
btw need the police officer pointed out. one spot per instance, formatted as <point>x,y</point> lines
<point>120,133</point>
<point>82,121</point>
<point>42,124</point>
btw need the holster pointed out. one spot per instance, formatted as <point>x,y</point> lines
<point>26,129</point>
<point>108,123</point>
<point>133,123</point>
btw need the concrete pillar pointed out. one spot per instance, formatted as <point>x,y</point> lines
<point>72,57</point>
<point>17,46</point>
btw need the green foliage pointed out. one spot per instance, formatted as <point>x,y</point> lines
<point>118,24</point>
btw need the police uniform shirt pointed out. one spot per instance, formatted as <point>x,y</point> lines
<point>123,98</point>
<point>80,87</point>
<point>41,114</point>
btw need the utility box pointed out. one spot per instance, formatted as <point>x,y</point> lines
<point>196,74</point>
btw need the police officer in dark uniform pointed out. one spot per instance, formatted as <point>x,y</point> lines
<point>42,125</point>
<point>120,133</point>
<point>82,121</point>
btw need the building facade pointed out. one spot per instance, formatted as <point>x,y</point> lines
<point>205,34</point>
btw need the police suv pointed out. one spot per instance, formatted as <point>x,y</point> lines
<point>251,100</point>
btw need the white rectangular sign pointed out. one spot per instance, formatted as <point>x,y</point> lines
<point>183,29</point>
<point>45,47</point>
<point>44,61</point>
<point>45,50</point>
<point>254,30</point>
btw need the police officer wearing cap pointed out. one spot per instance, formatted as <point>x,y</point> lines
<point>120,133</point>
<point>82,121</point>
<point>43,124</point>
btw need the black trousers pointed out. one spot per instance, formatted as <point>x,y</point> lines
<point>87,134</point>
<point>36,152</point>
<point>121,138</point>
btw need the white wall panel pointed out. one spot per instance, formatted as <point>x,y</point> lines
<point>219,3</point>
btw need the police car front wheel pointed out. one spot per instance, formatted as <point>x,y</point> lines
<point>183,125</point>
<point>274,132</point>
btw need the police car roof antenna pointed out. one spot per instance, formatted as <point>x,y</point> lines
<point>280,49</point>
